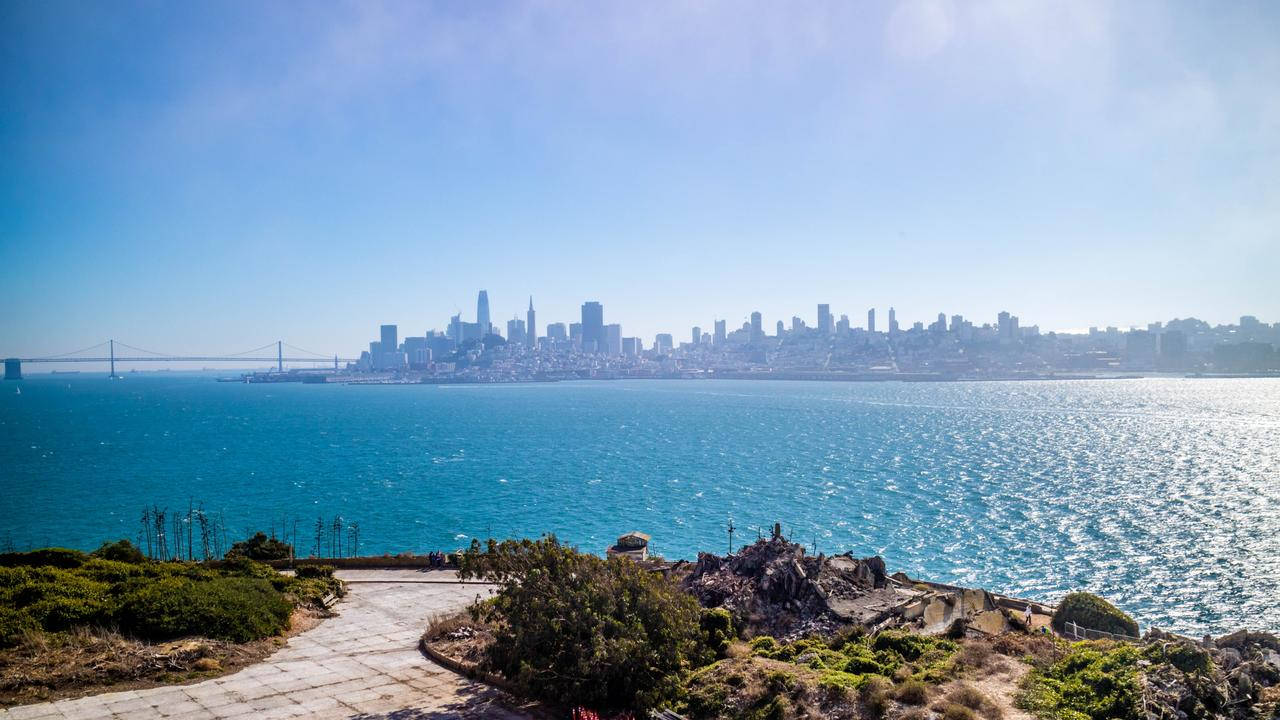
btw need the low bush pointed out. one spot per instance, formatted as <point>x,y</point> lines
<point>45,557</point>
<point>717,631</point>
<point>65,590</point>
<point>238,609</point>
<point>120,551</point>
<point>314,572</point>
<point>955,711</point>
<point>262,548</point>
<point>1092,612</point>
<point>1097,680</point>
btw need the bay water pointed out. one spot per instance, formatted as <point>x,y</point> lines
<point>1161,494</point>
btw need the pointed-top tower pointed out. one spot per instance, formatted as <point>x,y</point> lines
<point>531,327</point>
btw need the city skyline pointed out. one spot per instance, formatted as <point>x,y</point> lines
<point>206,176</point>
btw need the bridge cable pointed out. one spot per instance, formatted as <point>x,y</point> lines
<point>308,352</point>
<point>76,352</point>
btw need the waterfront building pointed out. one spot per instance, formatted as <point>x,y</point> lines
<point>824,319</point>
<point>871,320</point>
<point>593,338</point>
<point>720,335</point>
<point>613,339</point>
<point>482,313</point>
<point>757,327</point>
<point>531,326</point>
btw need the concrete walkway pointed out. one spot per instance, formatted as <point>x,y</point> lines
<point>364,664</point>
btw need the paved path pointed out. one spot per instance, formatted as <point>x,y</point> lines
<point>363,664</point>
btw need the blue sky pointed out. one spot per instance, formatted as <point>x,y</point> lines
<point>211,177</point>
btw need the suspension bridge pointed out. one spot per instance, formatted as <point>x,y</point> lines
<point>105,352</point>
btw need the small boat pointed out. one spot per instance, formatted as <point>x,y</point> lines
<point>19,390</point>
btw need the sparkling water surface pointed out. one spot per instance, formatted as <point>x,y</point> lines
<point>1161,494</point>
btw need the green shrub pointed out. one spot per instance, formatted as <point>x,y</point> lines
<point>1092,612</point>
<point>314,572</point>
<point>119,551</point>
<point>1093,680</point>
<point>908,645</point>
<point>608,633</point>
<point>45,557</point>
<point>61,600</point>
<point>717,630</point>
<point>261,547</point>
<point>13,623</point>
<point>232,608</point>
<point>110,571</point>
<point>1185,656</point>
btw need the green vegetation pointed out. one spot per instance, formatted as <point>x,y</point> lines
<point>609,634</point>
<point>1093,681</point>
<point>261,548</point>
<point>849,661</point>
<point>1092,612</point>
<point>56,590</point>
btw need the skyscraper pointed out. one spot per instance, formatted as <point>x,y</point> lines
<point>697,334</point>
<point>389,339</point>
<point>720,335</point>
<point>515,331</point>
<point>757,327</point>
<point>613,339</point>
<point>557,332</point>
<point>871,320</point>
<point>531,326</point>
<point>893,322</point>
<point>824,319</point>
<point>482,313</point>
<point>593,338</point>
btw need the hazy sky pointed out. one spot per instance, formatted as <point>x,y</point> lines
<point>199,177</point>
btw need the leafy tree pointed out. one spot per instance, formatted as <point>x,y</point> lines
<point>575,628</point>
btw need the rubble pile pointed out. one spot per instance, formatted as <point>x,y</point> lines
<point>774,588</point>
<point>1235,676</point>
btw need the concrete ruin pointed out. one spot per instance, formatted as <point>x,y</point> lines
<point>773,587</point>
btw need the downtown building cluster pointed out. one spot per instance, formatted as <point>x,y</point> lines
<point>949,347</point>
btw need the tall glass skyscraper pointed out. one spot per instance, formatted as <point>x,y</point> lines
<point>482,313</point>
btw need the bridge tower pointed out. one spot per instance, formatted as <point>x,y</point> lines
<point>12,368</point>
<point>279,356</point>
<point>113,375</point>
